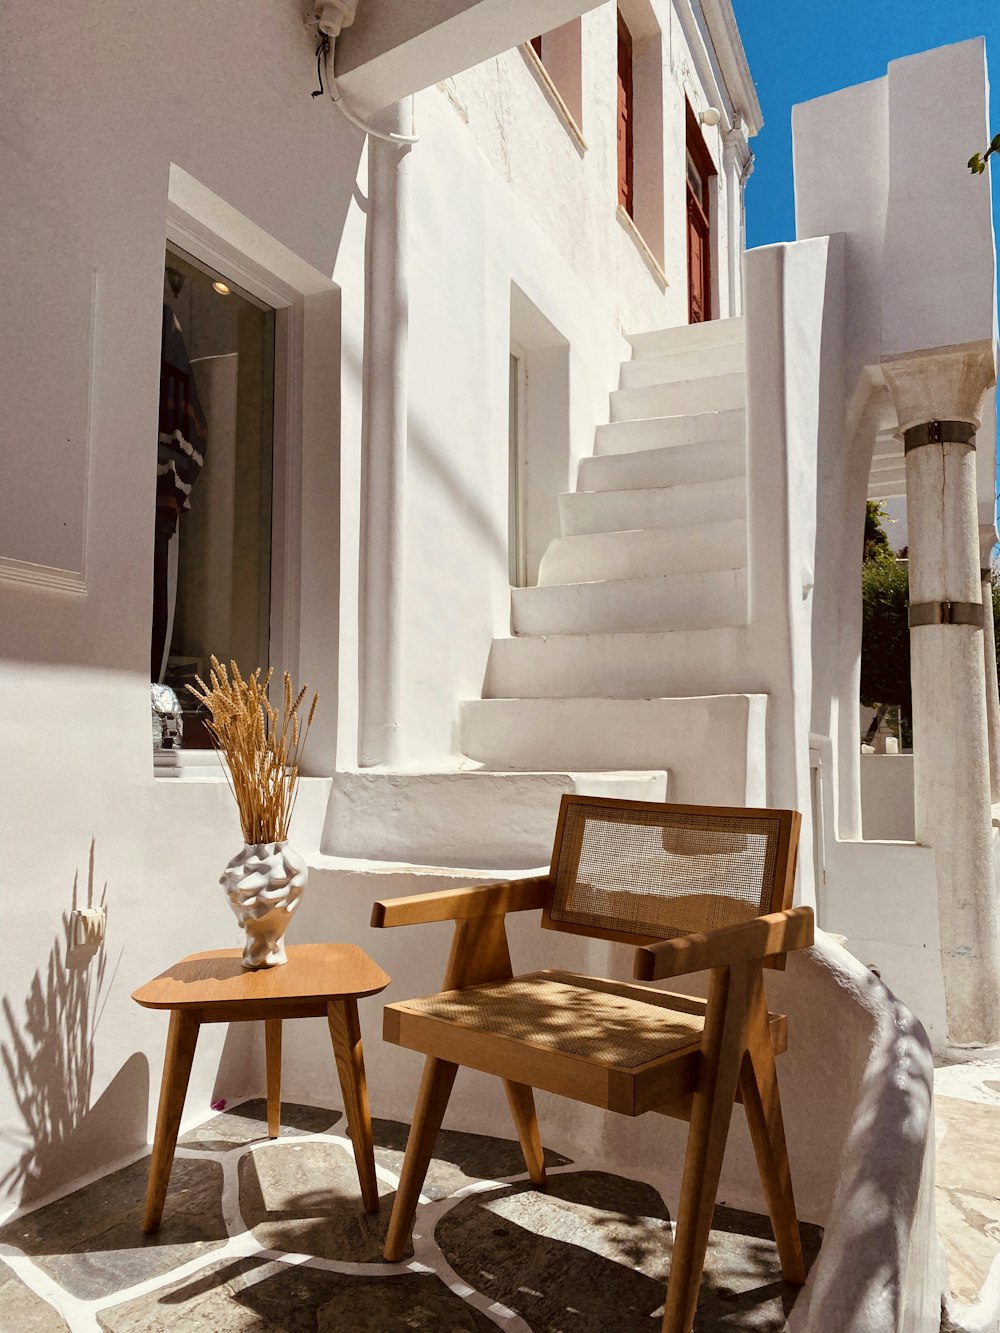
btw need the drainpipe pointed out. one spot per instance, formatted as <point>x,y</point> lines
<point>383,441</point>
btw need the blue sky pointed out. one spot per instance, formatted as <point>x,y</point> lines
<point>802,50</point>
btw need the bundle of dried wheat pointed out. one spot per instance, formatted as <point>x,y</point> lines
<point>262,746</point>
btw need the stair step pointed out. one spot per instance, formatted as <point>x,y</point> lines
<point>628,555</point>
<point>626,437</point>
<point>652,602</point>
<point>652,507</point>
<point>683,337</point>
<point>638,665</point>
<point>712,746</point>
<point>674,465</point>
<point>710,393</point>
<point>464,817</point>
<point>690,364</point>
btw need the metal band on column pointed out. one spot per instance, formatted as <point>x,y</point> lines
<point>946,613</point>
<point>939,432</point>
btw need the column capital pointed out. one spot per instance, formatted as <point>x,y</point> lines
<point>942,384</point>
<point>735,147</point>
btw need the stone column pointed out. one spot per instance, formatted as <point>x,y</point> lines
<point>938,400</point>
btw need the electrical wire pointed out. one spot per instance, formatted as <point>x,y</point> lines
<point>325,60</point>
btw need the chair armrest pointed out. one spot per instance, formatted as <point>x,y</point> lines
<point>765,935</point>
<point>512,895</point>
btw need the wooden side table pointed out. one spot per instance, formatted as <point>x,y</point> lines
<point>319,980</point>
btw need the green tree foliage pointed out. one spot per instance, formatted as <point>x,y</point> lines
<point>876,541</point>
<point>977,162</point>
<point>885,635</point>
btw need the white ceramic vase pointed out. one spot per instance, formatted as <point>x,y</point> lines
<point>264,883</point>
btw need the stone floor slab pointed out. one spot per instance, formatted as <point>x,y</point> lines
<point>21,1309</point>
<point>563,1260</point>
<point>305,1199</point>
<point>459,1158</point>
<point>257,1296</point>
<point>91,1241</point>
<point>247,1121</point>
<point>968,1191</point>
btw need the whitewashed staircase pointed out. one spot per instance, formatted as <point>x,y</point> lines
<point>623,656</point>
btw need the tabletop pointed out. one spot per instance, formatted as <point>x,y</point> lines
<point>313,972</point>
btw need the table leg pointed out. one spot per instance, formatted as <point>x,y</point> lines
<point>345,1032</point>
<point>182,1038</point>
<point>272,1048</point>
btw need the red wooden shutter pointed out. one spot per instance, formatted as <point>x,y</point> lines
<point>624,116</point>
<point>699,170</point>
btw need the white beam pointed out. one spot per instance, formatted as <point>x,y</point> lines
<point>392,50</point>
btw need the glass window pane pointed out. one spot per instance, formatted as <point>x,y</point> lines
<point>212,582</point>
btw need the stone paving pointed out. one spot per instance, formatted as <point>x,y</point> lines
<point>967,1127</point>
<point>263,1234</point>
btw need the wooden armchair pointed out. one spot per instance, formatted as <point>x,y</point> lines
<point>695,887</point>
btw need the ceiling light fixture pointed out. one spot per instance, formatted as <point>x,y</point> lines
<point>221,288</point>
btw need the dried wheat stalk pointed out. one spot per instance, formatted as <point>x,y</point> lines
<point>262,746</point>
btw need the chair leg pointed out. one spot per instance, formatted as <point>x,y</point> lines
<point>432,1099</point>
<point>759,1086</point>
<point>723,1045</point>
<point>522,1107</point>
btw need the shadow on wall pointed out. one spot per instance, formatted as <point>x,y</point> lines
<point>48,1057</point>
<point>880,1265</point>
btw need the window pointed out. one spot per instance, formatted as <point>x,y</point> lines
<point>558,52</point>
<point>699,171</point>
<point>639,115</point>
<point>212,549</point>
<point>626,116</point>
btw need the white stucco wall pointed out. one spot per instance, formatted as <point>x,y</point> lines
<point>887,796</point>
<point>904,290</point>
<point>195,122</point>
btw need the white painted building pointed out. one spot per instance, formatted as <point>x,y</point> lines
<point>524,528</point>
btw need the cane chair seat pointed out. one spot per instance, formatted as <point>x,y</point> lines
<point>623,1046</point>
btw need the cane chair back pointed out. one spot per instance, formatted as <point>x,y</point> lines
<point>637,871</point>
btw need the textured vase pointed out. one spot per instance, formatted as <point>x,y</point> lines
<point>264,884</point>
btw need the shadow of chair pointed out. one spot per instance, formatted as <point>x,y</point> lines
<point>695,888</point>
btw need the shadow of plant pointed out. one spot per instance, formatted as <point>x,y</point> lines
<point>48,1054</point>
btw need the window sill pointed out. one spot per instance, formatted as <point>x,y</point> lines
<point>550,90</point>
<point>188,766</point>
<point>648,258</point>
